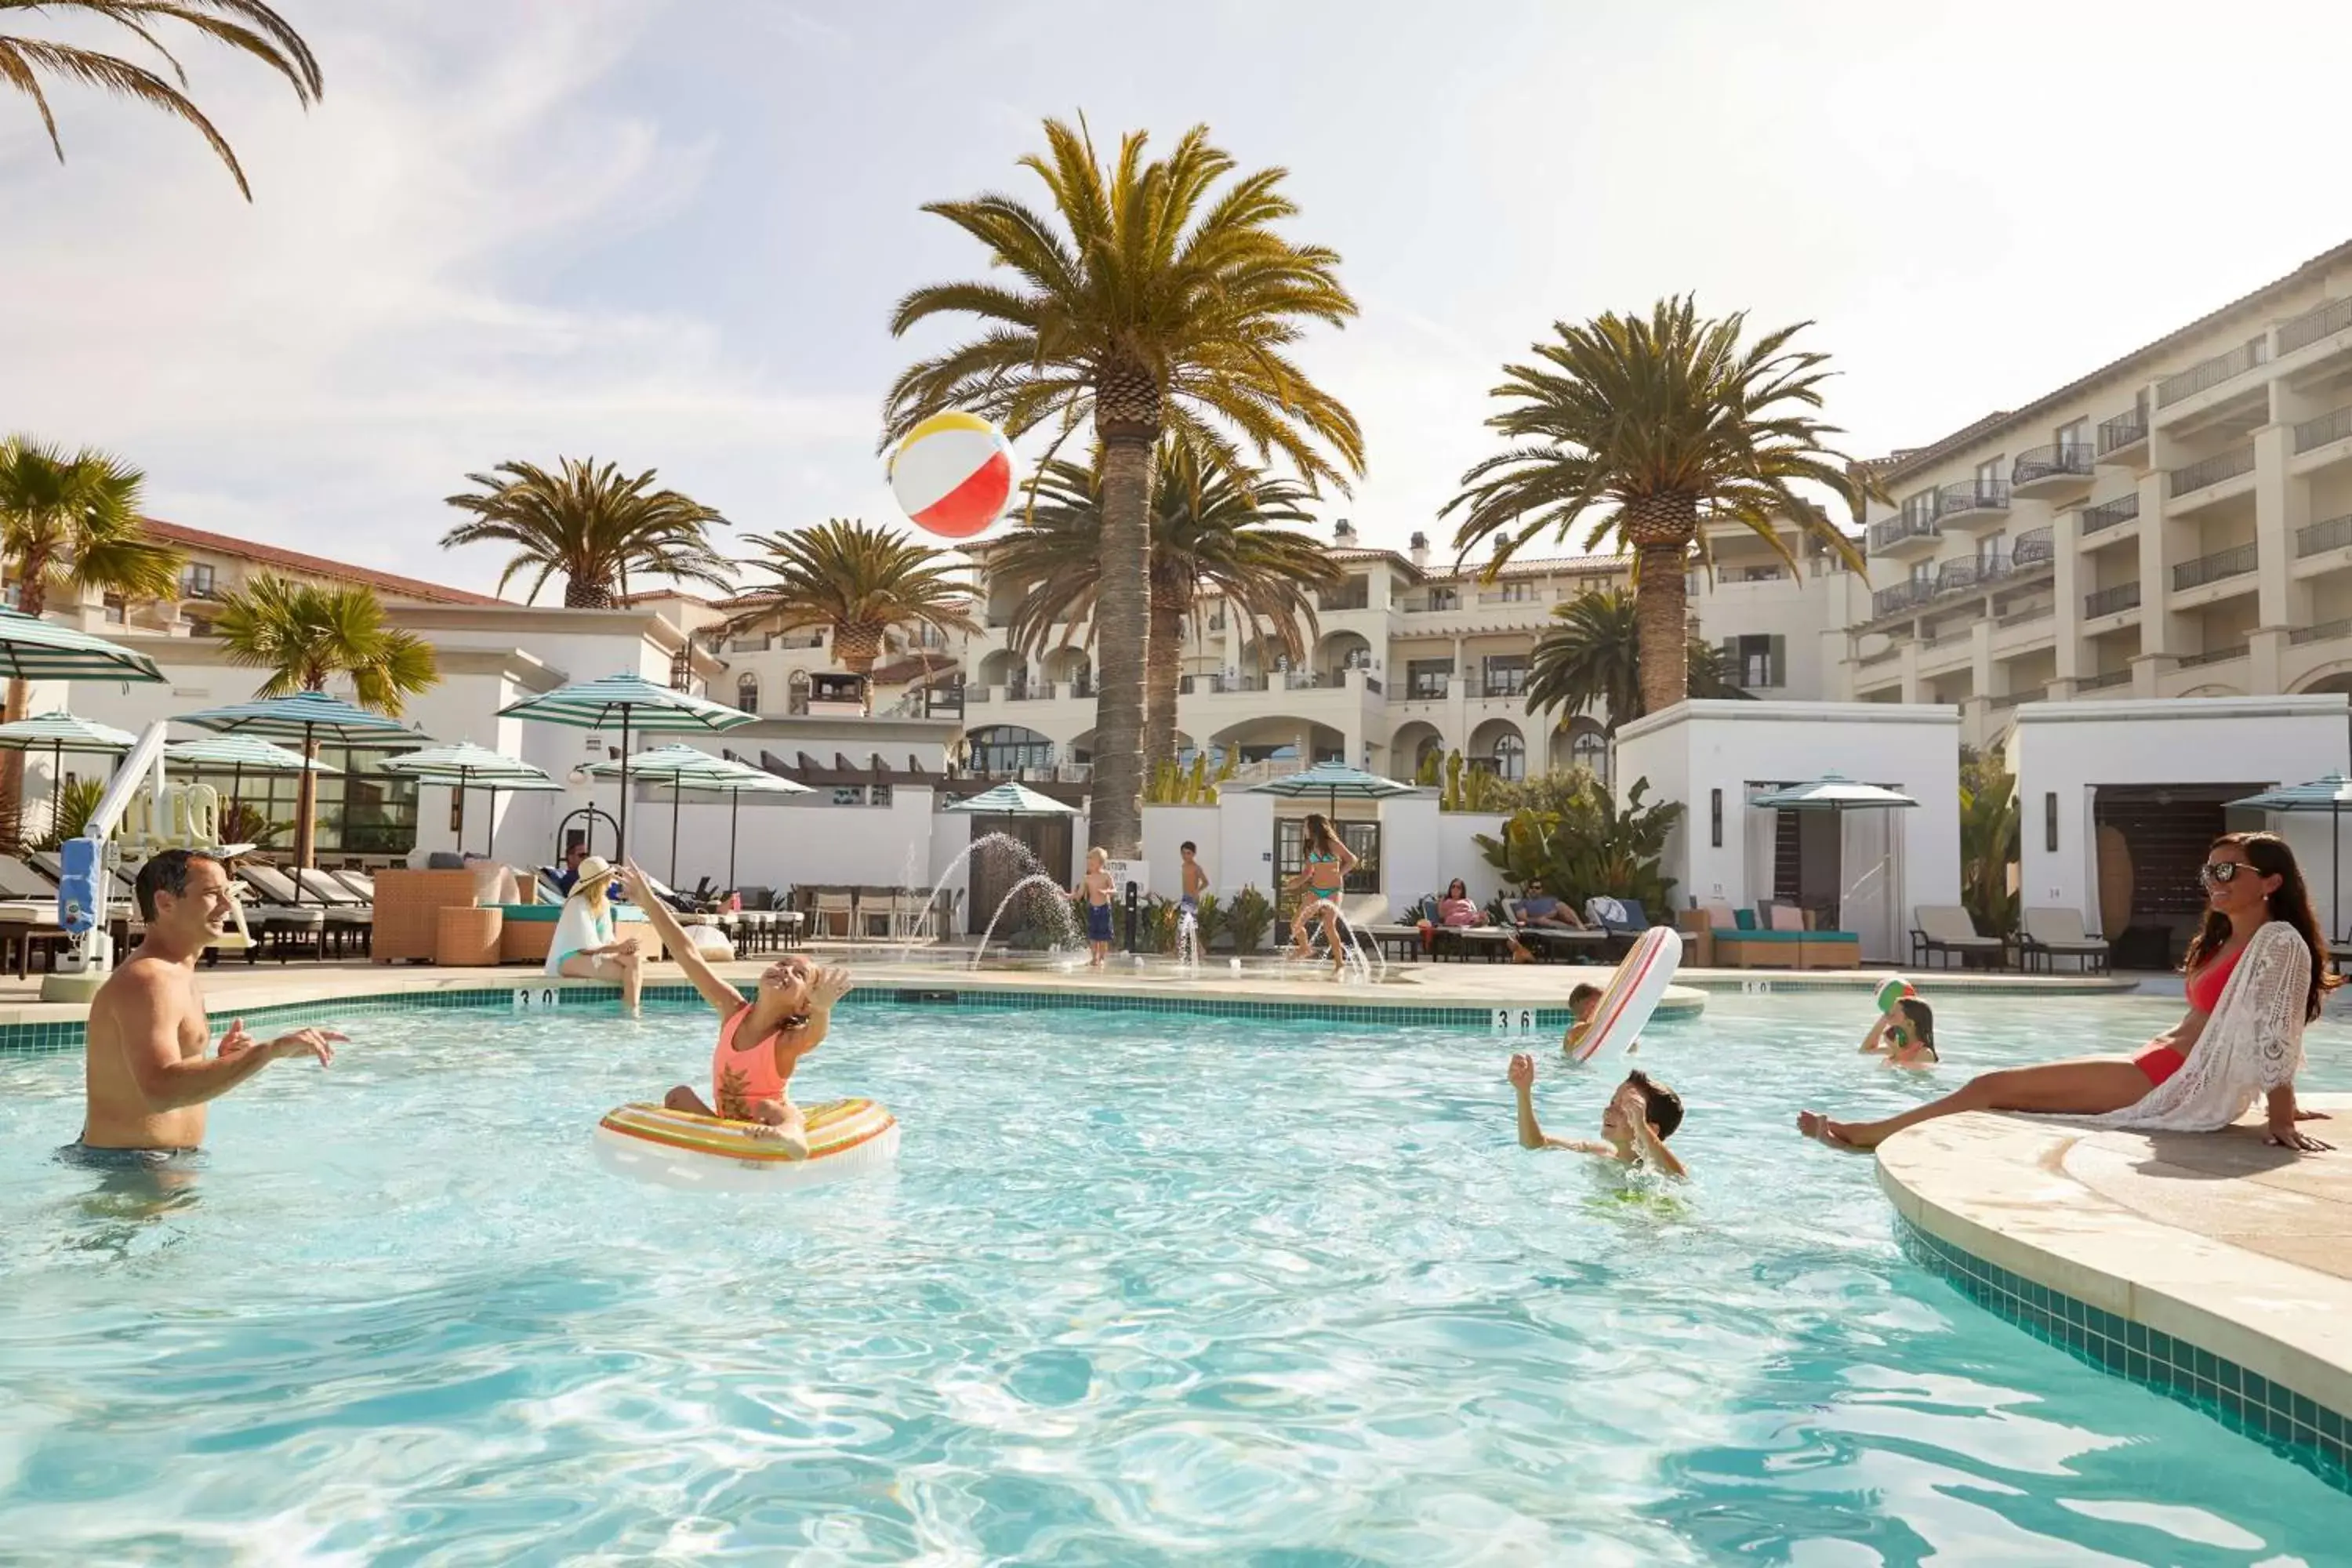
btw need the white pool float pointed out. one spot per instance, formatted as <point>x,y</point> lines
<point>1631,995</point>
<point>709,1154</point>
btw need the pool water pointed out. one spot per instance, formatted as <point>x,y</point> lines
<point>1142,1289</point>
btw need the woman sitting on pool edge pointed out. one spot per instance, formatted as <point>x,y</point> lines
<point>1905,1034</point>
<point>1641,1117</point>
<point>585,946</point>
<point>2256,976</point>
<point>759,1041</point>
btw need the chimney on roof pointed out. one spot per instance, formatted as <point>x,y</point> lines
<point>1420,551</point>
<point>1343,534</point>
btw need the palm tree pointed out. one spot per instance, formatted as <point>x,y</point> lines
<point>1654,429</point>
<point>1151,297</point>
<point>594,524</point>
<point>69,524</point>
<point>306,635</point>
<point>1210,528</point>
<point>858,581</point>
<point>246,26</point>
<point>1592,660</point>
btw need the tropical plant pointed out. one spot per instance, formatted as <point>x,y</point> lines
<point>1452,799</point>
<point>246,26</point>
<point>594,524</point>
<point>1427,774</point>
<point>1248,918</point>
<point>306,635</point>
<point>70,523</point>
<point>1155,924</point>
<point>1154,297</point>
<point>241,822</point>
<point>1209,921</point>
<point>1988,841</point>
<point>859,582</point>
<point>1651,430</point>
<point>1591,660</point>
<point>1212,531</point>
<point>1582,844</point>
<point>75,802</point>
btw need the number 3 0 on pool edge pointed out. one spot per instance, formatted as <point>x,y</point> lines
<point>526,1000</point>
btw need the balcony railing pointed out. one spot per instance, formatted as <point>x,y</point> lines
<point>2102,682</point>
<point>2111,601</point>
<point>2336,426</point>
<point>1895,530</point>
<point>2124,430</point>
<point>2032,548</point>
<point>1359,597</point>
<point>1521,596</point>
<point>1041,692</point>
<point>2108,514</point>
<point>2214,656</point>
<point>2050,462</point>
<point>2211,471</point>
<point>1428,689</point>
<point>2332,534</point>
<point>1902,596</point>
<point>1971,495</point>
<point>2324,632</point>
<point>2313,325</point>
<point>975,695</point>
<point>2211,373</point>
<point>1968,572</point>
<point>2235,561</point>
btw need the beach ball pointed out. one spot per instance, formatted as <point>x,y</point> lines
<point>1892,991</point>
<point>952,475</point>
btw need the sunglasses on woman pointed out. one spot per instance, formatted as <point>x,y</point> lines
<point>2221,873</point>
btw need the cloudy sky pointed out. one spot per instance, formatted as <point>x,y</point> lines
<point>669,232</point>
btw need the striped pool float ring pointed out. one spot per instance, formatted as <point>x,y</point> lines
<point>707,1153</point>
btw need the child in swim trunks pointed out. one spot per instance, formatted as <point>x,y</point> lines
<point>1196,881</point>
<point>1096,888</point>
<point>1641,1117</point>
<point>1906,1033</point>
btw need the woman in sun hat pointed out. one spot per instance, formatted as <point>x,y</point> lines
<point>584,947</point>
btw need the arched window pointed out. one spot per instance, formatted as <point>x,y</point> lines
<point>1590,749</point>
<point>1510,756</point>
<point>746,693</point>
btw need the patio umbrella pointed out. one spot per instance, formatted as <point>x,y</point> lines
<point>1837,795</point>
<point>684,767</point>
<point>308,717</point>
<point>627,701</point>
<point>1335,781</point>
<point>238,752</point>
<point>58,733</point>
<point>34,650</point>
<point>464,767</point>
<point>1010,799</point>
<point>2331,795</point>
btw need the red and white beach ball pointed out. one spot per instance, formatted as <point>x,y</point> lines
<point>953,475</point>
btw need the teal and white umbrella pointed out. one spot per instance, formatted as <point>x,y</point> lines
<point>308,717</point>
<point>34,650</point>
<point>1335,781</point>
<point>1837,795</point>
<point>1010,799</point>
<point>626,703</point>
<point>2332,795</point>
<point>687,768</point>
<point>465,767</point>
<point>58,733</point>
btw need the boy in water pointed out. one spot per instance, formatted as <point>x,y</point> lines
<point>1580,1002</point>
<point>1907,1035</point>
<point>1641,1117</point>
<point>1096,886</point>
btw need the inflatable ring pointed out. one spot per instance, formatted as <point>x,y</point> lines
<point>707,1153</point>
<point>1631,995</point>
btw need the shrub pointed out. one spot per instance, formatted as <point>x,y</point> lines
<point>76,802</point>
<point>1248,919</point>
<point>1581,845</point>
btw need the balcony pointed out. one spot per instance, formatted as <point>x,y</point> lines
<point>1427,688</point>
<point>2214,656</point>
<point>2235,561</point>
<point>2326,631</point>
<point>2112,600</point>
<point>1521,594</point>
<point>1971,503</point>
<point>1970,571</point>
<point>2334,533</point>
<point>1358,596</point>
<point>2032,548</point>
<point>2309,327</point>
<point>1900,597</point>
<point>2210,471</point>
<point>1903,535</point>
<point>2110,514</point>
<point>2060,469</point>
<point>2121,434</point>
<point>2104,682</point>
<point>2206,374</point>
<point>2319,432</point>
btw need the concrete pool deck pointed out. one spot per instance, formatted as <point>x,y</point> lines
<point>2223,1265</point>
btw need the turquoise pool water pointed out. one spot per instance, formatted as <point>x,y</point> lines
<point>1143,1289</point>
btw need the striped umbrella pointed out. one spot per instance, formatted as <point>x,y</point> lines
<point>625,702</point>
<point>1010,799</point>
<point>308,717</point>
<point>690,768</point>
<point>1336,782</point>
<point>463,766</point>
<point>238,752</point>
<point>34,650</point>
<point>58,733</point>
<point>2331,795</point>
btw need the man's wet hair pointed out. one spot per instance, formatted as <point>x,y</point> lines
<point>1664,1106</point>
<point>1920,1017</point>
<point>166,873</point>
<point>1585,991</point>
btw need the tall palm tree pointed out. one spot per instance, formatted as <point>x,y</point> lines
<point>1210,528</point>
<point>1592,660</point>
<point>1650,430</point>
<point>1151,297</point>
<point>593,523</point>
<point>246,26</point>
<point>858,581</point>
<point>306,635</point>
<point>69,524</point>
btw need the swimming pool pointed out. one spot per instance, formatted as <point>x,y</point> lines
<point>1144,1288</point>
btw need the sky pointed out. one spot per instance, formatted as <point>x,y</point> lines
<point>669,233</point>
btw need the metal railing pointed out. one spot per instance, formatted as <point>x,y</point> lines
<point>2214,656</point>
<point>2212,471</point>
<point>2066,458</point>
<point>1428,688</point>
<point>1968,572</point>
<point>1971,495</point>
<point>2313,325</point>
<point>1359,597</point>
<point>2324,632</point>
<point>2101,682</point>
<point>2211,373</point>
<point>1895,530</point>
<point>1505,683</point>
<point>975,695</point>
<point>1521,596</point>
<point>2234,561</point>
<point>2334,533</point>
<point>2111,601</point>
<point>1301,679</point>
<point>1902,596</point>
<point>2124,430</point>
<point>2034,547</point>
<point>1042,692</point>
<point>2108,514</point>
<point>2328,427</point>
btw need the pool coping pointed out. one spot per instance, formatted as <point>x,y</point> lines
<point>2261,1344</point>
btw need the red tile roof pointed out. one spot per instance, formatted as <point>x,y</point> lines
<point>317,566</point>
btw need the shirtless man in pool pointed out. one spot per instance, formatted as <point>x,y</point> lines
<point>146,1076</point>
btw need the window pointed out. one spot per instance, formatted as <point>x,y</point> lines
<point>1589,748</point>
<point>1362,839</point>
<point>1923,571</point>
<point>2075,435</point>
<point>1355,594</point>
<point>1510,757</point>
<point>114,610</point>
<point>1756,660</point>
<point>1507,674</point>
<point>849,794</point>
<point>1920,508</point>
<point>879,795</point>
<point>1427,680</point>
<point>1517,594</point>
<point>1988,478</point>
<point>746,693</point>
<point>681,669</point>
<point>1444,598</point>
<point>195,580</point>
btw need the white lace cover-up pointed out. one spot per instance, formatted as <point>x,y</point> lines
<point>2253,1043</point>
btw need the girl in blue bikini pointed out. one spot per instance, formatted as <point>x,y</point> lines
<point>1328,861</point>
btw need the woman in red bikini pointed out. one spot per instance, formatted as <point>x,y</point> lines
<point>2251,881</point>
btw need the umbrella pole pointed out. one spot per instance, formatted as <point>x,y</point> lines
<point>490,829</point>
<point>461,813</point>
<point>620,822</point>
<point>57,790</point>
<point>734,813</point>
<point>676,796</point>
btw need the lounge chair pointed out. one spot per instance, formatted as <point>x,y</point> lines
<point>831,904</point>
<point>1404,936</point>
<point>1946,929</point>
<point>1622,920</point>
<point>1555,942</point>
<point>284,920</point>
<point>348,915</point>
<point>2054,934</point>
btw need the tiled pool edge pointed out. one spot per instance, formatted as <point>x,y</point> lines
<point>2290,1424</point>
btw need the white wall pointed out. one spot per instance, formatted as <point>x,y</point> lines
<point>2069,749</point>
<point>1410,858</point>
<point>1167,826</point>
<point>1458,854</point>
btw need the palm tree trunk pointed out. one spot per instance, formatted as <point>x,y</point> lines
<point>306,810</point>
<point>1121,640</point>
<point>1662,616</point>
<point>586,595</point>
<point>1163,666</point>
